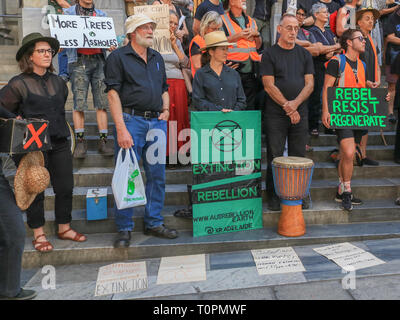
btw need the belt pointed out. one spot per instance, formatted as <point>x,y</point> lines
<point>144,114</point>
<point>90,56</point>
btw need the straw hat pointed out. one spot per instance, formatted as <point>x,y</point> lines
<point>31,179</point>
<point>360,12</point>
<point>32,38</point>
<point>216,39</point>
<point>137,20</point>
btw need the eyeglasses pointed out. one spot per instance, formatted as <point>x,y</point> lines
<point>301,14</point>
<point>361,38</point>
<point>43,51</point>
<point>291,28</point>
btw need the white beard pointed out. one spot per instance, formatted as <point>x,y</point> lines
<point>144,42</point>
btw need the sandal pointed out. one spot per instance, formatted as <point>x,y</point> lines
<point>40,245</point>
<point>77,237</point>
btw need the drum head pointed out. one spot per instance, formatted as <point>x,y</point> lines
<point>293,162</point>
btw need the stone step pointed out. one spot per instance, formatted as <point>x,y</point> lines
<point>321,213</point>
<point>176,194</point>
<point>99,247</point>
<point>374,138</point>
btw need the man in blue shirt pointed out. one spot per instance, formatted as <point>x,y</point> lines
<point>139,103</point>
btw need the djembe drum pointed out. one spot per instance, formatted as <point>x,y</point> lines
<point>292,179</point>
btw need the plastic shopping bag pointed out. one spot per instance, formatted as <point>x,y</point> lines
<point>127,183</point>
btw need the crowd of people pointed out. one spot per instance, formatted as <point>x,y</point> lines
<point>223,59</point>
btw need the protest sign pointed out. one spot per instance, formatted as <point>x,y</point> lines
<point>226,168</point>
<point>277,260</point>
<point>357,108</point>
<point>83,31</point>
<point>160,15</point>
<point>121,277</point>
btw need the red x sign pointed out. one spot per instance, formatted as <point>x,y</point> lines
<point>35,135</point>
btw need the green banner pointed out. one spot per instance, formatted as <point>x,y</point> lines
<point>226,168</point>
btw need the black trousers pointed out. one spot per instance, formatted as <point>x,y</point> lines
<point>251,87</point>
<point>315,101</point>
<point>59,163</point>
<point>397,143</point>
<point>12,240</point>
<point>278,129</point>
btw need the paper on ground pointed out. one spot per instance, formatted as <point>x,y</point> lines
<point>338,250</point>
<point>182,269</point>
<point>277,260</point>
<point>121,277</point>
<point>358,261</point>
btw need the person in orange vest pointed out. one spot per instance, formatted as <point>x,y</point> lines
<point>366,19</point>
<point>353,76</point>
<point>241,30</point>
<point>210,22</point>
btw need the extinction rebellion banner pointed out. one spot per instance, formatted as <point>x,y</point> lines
<point>357,108</point>
<point>226,168</point>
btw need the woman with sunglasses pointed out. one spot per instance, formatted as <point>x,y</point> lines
<point>38,93</point>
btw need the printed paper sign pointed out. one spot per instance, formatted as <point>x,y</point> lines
<point>182,269</point>
<point>277,260</point>
<point>160,15</point>
<point>357,261</point>
<point>83,31</point>
<point>338,250</point>
<point>357,108</point>
<point>121,277</point>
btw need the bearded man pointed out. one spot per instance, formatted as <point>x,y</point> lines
<point>139,102</point>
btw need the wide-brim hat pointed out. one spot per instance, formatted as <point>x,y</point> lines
<point>215,39</point>
<point>361,11</point>
<point>138,20</point>
<point>31,179</point>
<point>32,38</point>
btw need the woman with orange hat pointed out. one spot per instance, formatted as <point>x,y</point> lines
<point>39,93</point>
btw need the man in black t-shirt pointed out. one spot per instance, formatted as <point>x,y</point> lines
<point>287,71</point>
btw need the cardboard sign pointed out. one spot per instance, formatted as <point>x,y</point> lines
<point>121,277</point>
<point>159,14</point>
<point>23,136</point>
<point>226,168</point>
<point>277,260</point>
<point>83,31</point>
<point>357,108</point>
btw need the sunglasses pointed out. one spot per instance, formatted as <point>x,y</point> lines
<point>361,38</point>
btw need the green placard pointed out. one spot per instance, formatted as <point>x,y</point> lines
<point>226,168</point>
<point>357,108</point>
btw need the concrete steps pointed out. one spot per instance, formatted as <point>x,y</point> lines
<point>99,246</point>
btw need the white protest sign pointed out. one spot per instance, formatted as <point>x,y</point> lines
<point>121,277</point>
<point>160,15</point>
<point>357,261</point>
<point>83,31</point>
<point>182,269</point>
<point>277,260</point>
<point>338,250</point>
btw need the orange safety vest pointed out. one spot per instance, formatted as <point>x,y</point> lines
<point>376,57</point>
<point>347,77</point>
<point>199,40</point>
<point>243,49</point>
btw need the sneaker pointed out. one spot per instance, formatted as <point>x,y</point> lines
<point>339,198</point>
<point>392,118</point>
<point>80,149</point>
<point>346,201</point>
<point>22,295</point>
<point>161,232</point>
<point>369,162</point>
<point>105,148</point>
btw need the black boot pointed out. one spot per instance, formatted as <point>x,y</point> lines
<point>123,239</point>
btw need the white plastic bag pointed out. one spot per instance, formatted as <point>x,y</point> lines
<point>127,183</point>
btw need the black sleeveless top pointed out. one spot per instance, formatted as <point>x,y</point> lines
<point>40,97</point>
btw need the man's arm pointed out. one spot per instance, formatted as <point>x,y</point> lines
<point>165,110</point>
<point>391,38</point>
<point>329,82</point>
<point>307,90</point>
<point>124,138</point>
<point>273,91</point>
<point>63,4</point>
<point>341,20</point>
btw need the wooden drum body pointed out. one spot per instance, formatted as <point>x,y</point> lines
<point>292,179</point>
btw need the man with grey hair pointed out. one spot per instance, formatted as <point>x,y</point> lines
<point>327,45</point>
<point>139,102</point>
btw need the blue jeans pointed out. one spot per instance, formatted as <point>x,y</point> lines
<point>63,64</point>
<point>88,70</point>
<point>138,127</point>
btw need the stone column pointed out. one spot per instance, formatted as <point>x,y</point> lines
<point>4,30</point>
